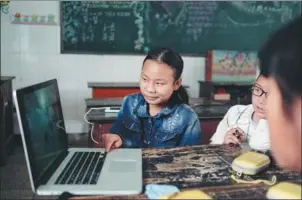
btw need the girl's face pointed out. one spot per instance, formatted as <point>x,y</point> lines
<point>285,132</point>
<point>157,82</point>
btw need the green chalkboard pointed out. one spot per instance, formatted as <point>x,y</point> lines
<point>190,27</point>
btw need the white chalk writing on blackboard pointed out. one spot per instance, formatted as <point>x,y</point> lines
<point>188,26</point>
<point>109,31</point>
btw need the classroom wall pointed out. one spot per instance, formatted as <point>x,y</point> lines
<point>32,54</point>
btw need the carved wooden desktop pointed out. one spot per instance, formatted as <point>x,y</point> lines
<point>202,167</point>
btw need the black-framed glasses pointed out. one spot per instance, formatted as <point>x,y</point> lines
<point>257,91</point>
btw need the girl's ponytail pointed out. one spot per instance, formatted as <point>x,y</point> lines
<point>180,96</point>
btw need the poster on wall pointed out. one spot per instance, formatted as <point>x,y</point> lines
<point>33,19</point>
<point>224,66</point>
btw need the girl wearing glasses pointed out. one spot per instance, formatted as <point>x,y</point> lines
<point>246,123</point>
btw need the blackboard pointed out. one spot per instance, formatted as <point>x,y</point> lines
<point>190,27</point>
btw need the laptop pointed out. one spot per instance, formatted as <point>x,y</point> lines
<point>54,168</point>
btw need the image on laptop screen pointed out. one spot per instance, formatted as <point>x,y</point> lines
<point>43,126</point>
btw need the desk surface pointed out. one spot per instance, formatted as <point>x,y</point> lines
<point>240,191</point>
<point>201,167</point>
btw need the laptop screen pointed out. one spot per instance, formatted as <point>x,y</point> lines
<point>43,126</point>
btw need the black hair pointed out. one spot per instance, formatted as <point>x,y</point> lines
<point>172,59</point>
<point>281,58</point>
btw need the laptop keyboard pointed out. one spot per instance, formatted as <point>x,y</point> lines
<point>82,168</point>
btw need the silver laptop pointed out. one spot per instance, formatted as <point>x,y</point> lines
<point>53,167</point>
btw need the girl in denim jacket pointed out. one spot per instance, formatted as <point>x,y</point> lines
<point>158,116</point>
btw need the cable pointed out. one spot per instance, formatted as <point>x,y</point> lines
<point>59,126</point>
<point>92,128</point>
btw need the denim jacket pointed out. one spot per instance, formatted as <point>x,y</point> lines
<point>174,125</point>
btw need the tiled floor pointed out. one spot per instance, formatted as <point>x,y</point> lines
<point>14,177</point>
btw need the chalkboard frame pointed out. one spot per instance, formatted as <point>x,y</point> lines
<point>63,51</point>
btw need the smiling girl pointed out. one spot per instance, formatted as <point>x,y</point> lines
<point>158,116</point>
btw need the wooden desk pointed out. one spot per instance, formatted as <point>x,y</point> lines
<point>240,92</point>
<point>240,191</point>
<point>201,167</point>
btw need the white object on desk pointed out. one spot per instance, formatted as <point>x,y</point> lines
<point>112,109</point>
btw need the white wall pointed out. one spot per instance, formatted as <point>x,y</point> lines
<point>32,54</point>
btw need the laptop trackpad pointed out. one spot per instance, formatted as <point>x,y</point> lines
<point>122,166</point>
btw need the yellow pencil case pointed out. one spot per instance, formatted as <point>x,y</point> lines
<point>187,194</point>
<point>250,163</point>
<point>284,190</point>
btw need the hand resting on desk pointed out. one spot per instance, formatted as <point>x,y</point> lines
<point>110,141</point>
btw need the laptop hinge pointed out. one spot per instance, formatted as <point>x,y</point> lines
<point>42,180</point>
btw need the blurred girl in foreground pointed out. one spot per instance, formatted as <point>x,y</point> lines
<point>281,62</point>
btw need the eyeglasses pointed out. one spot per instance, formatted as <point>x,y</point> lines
<point>257,91</point>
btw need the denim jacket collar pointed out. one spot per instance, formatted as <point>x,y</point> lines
<point>141,110</point>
